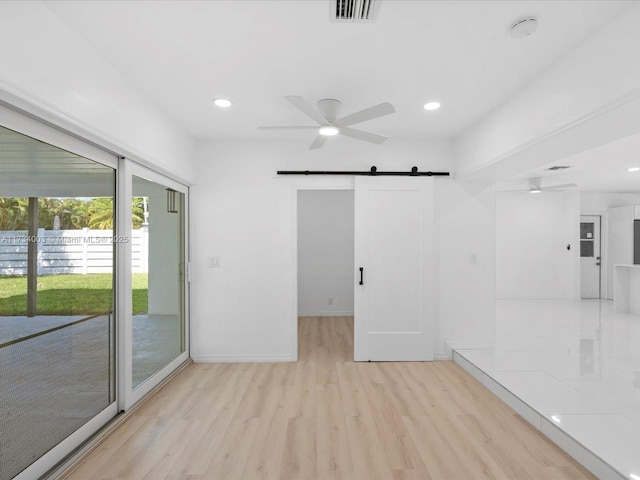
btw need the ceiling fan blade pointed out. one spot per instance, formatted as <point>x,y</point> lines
<point>291,127</point>
<point>562,186</point>
<point>318,142</point>
<point>307,109</point>
<point>367,114</point>
<point>360,135</point>
<point>515,190</point>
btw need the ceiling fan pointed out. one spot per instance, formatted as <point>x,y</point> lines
<point>326,116</point>
<point>535,186</point>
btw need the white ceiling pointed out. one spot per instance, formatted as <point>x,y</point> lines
<point>183,54</point>
<point>600,169</point>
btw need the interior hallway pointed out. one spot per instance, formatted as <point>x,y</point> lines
<point>325,417</point>
<point>571,368</point>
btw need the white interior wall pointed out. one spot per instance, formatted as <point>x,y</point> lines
<point>465,252</point>
<point>620,242</point>
<point>325,252</point>
<point>163,256</point>
<point>532,234</point>
<point>245,309</point>
<point>594,203</point>
<point>40,73</point>
<point>163,248</point>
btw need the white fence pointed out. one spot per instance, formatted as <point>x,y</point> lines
<point>70,251</point>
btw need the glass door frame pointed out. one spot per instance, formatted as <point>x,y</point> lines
<point>127,396</point>
<point>25,125</point>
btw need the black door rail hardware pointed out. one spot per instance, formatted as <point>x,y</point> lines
<point>371,173</point>
<point>361,275</point>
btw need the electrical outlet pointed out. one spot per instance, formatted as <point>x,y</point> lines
<point>473,259</point>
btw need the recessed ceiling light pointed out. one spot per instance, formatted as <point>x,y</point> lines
<point>222,102</point>
<point>633,169</point>
<point>432,106</point>
<point>328,131</point>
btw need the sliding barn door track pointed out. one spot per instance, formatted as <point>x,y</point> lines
<point>371,173</point>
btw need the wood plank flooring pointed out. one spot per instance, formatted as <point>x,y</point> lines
<point>326,417</point>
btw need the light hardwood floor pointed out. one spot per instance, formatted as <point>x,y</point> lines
<point>326,417</point>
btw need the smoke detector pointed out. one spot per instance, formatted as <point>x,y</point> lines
<point>524,27</point>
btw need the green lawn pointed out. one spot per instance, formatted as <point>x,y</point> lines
<point>69,294</point>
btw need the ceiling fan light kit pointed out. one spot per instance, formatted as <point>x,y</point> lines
<point>328,131</point>
<point>328,123</point>
<point>222,102</point>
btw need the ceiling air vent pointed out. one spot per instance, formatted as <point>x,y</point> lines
<point>353,10</point>
<point>558,167</point>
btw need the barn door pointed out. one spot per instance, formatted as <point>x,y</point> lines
<point>394,267</point>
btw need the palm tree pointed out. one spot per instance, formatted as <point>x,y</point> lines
<point>100,213</point>
<point>73,213</point>
<point>14,213</point>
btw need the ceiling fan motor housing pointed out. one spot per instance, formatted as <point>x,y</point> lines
<point>329,108</point>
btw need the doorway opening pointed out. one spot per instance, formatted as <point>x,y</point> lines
<point>325,259</point>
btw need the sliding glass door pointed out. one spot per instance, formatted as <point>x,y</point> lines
<point>158,278</point>
<point>157,287</point>
<point>93,290</point>
<point>57,319</point>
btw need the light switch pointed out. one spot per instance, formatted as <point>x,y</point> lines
<point>473,259</point>
<point>214,262</point>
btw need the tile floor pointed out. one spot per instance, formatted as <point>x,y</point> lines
<point>575,364</point>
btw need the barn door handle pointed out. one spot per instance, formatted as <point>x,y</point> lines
<point>361,275</point>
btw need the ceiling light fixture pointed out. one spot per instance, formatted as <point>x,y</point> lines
<point>432,106</point>
<point>329,131</point>
<point>633,169</point>
<point>222,102</point>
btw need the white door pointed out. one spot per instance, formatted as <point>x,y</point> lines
<point>394,260</point>
<point>590,259</point>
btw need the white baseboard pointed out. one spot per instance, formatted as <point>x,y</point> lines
<point>328,313</point>
<point>242,358</point>
<point>451,346</point>
<point>442,356</point>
